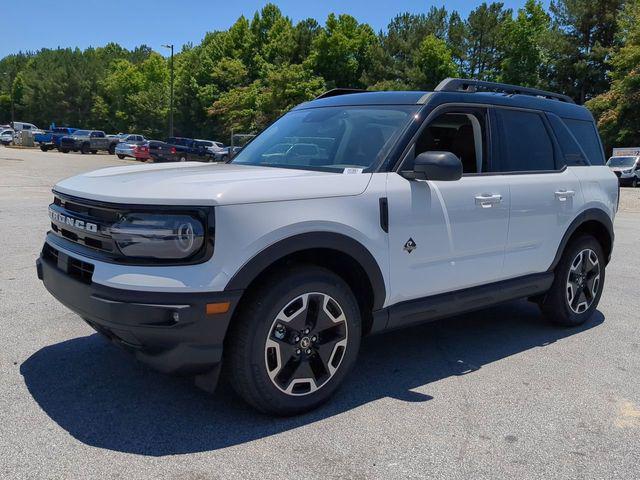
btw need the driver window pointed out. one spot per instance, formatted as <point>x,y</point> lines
<point>459,133</point>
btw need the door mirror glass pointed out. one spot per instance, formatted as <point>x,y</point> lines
<point>434,165</point>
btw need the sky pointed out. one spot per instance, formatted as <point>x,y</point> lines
<point>82,23</point>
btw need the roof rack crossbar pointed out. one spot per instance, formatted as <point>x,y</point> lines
<point>339,91</point>
<point>472,86</point>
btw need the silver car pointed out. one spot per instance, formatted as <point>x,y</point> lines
<point>125,147</point>
<point>6,136</point>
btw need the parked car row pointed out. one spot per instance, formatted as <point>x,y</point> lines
<point>173,149</point>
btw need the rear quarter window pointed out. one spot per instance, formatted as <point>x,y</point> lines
<point>587,136</point>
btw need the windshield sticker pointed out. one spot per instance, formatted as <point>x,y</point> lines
<point>352,170</point>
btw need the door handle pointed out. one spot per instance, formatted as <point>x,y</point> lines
<point>563,195</point>
<point>487,201</point>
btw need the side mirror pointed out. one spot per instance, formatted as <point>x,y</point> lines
<point>443,166</point>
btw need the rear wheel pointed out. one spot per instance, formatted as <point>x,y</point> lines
<point>64,150</point>
<point>93,152</point>
<point>43,148</point>
<point>84,149</point>
<point>121,157</point>
<point>294,343</point>
<point>634,182</point>
<point>578,283</point>
<point>183,159</point>
<point>112,149</point>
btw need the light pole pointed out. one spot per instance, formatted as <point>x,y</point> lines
<point>171,93</point>
<point>11,97</point>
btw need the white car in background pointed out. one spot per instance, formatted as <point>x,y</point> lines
<point>6,136</point>
<point>210,145</point>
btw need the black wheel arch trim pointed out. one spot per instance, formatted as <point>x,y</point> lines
<point>591,214</point>
<point>307,241</point>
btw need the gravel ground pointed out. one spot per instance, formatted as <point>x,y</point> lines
<point>494,394</point>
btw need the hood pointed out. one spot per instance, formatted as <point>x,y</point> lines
<point>194,183</point>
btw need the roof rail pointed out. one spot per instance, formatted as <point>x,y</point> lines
<point>338,91</point>
<point>472,86</point>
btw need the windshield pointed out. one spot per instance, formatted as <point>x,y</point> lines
<point>621,161</point>
<point>82,133</point>
<point>329,138</point>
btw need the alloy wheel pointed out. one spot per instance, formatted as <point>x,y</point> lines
<point>583,281</point>
<point>306,344</point>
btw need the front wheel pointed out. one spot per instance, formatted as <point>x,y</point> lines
<point>294,342</point>
<point>634,182</point>
<point>121,157</point>
<point>112,149</point>
<point>183,159</point>
<point>43,148</point>
<point>578,283</point>
<point>84,149</point>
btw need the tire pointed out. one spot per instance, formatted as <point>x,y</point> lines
<point>634,182</point>
<point>121,157</point>
<point>225,158</point>
<point>84,149</point>
<point>43,148</point>
<point>183,159</point>
<point>112,149</point>
<point>259,341</point>
<point>577,287</point>
<point>94,152</point>
<point>64,150</point>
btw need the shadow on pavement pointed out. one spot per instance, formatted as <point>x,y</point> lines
<point>103,398</point>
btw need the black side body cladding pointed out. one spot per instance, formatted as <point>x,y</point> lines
<point>447,304</point>
<point>307,241</point>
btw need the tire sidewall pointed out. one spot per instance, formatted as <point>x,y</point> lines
<point>282,293</point>
<point>562,272</point>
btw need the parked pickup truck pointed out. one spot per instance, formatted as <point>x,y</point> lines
<point>176,149</point>
<point>51,138</point>
<point>86,141</point>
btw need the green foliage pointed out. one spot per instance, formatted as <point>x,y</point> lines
<point>617,109</point>
<point>243,78</point>
<point>341,52</point>
<point>433,62</point>
<point>523,40</point>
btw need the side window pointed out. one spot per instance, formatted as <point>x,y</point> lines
<point>525,142</point>
<point>462,134</point>
<point>587,136</point>
<point>572,154</point>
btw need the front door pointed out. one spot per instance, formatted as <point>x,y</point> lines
<point>446,236</point>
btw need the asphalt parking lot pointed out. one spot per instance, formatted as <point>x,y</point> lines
<point>494,394</point>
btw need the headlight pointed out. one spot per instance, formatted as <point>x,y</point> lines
<point>148,235</point>
<point>627,170</point>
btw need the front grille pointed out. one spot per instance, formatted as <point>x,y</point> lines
<point>78,269</point>
<point>83,223</point>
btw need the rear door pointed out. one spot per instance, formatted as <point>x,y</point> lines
<point>545,195</point>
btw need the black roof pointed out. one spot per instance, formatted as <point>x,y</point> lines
<point>528,99</point>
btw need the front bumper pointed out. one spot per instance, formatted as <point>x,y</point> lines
<point>144,323</point>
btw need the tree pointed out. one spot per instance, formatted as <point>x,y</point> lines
<point>433,63</point>
<point>617,109</point>
<point>484,28</point>
<point>341,52</point>
<point>584,36</point>
<point>522,45</point>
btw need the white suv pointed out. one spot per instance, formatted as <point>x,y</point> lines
<point>352,214</point>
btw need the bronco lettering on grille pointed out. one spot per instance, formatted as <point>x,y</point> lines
<point>72,222</point>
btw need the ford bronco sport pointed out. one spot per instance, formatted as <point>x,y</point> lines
<point>352,214</point>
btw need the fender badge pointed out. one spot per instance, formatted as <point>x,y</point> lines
<point>410,246</point>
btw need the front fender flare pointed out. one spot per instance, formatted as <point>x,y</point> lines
<point>306,241</point>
